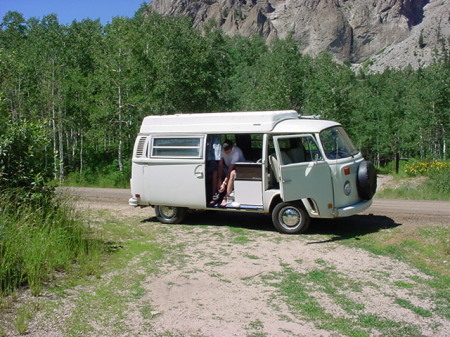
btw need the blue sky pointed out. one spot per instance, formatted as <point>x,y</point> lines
<point>68,11</point>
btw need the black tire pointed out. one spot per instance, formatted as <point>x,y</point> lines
<point>366,180</point>
<point>290,218</point>
<point>170,214</point>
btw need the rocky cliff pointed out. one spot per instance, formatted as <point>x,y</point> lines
<point>381,33</point>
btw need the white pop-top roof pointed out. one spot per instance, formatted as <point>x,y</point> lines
<point>230,122</point>
<point>303,126</point>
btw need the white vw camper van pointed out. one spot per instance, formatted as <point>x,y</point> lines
<point>295,167</point>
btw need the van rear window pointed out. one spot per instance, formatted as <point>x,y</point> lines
<point>180,147</point>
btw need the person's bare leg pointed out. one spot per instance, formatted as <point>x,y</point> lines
<point>230,186</point>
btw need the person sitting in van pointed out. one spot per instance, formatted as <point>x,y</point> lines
<point>231,154</point>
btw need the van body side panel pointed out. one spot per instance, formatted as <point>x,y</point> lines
<point>137,182</point>
<point>171,183</point>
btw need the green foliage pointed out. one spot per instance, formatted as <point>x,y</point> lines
<point>102,176</point>
<point>440,180</point>
<point>22,155</point>
<point>273,79</point>
<point>38,233</point>
<point>88,87</point>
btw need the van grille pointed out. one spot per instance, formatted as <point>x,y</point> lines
<point>140,147</point>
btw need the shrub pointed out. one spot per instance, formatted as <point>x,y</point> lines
<point>107,176</point>
<point>440,179</point>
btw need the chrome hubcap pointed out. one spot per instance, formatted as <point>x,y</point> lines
<point>290,217</point>
<point>167,212</point>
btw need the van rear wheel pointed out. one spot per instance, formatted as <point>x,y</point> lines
<point>170,214</point>
<point>290,218</point>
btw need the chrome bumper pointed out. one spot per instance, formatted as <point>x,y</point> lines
<point>133,202</point>
<point>354,209</point>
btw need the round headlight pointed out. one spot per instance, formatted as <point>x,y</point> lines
<point>347,188</point>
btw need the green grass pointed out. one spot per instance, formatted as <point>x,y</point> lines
<point>241,235</point>
<point>424,248</point>
<point>255,329</point>
<point>419,181</point>
<point>38,239</point>
<point>134,256</point>
<point>300,291</point>
<point>407,191</point>
<point>408,305</point>
<point>104,177</point>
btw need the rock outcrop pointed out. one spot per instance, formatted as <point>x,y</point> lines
<point>381,33</point>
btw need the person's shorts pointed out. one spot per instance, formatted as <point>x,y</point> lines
<point>211,166</point>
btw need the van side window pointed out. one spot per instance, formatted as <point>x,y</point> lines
<point>312,152</point>
<point>298,149</point>
<point>180,147</point>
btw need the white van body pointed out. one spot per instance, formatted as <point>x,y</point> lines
<point>296,167</point>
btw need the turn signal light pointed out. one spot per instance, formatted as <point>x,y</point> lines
<point>346,171</point>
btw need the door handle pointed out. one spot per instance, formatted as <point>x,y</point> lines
<point>286,181</point>
<point>199,172</point>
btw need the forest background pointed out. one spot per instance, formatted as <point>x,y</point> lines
<point>72,97</point>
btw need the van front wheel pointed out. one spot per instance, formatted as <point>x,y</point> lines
<point>290,218</point>
<point>170,214</point>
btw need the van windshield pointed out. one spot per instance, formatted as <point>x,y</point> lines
<point>337,144</point>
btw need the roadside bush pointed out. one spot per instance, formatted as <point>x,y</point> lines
<point>426,168</point>
<point>438,173</point>
<point>439,179</point>
<point>39,232</point>
<point>108,176</point>
<point>434,185</point>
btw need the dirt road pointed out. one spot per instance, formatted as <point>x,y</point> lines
<point>437,212</point>
<point>234,275</point>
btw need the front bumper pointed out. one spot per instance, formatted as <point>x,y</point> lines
<point>354,209</point>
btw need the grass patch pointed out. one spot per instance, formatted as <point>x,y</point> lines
<point>242,235</point>
<point>420,181</point>
<point>408,305</point>
<point>404,285</point>
<point>124,271</point>
<point>38,240</point>
<point>256,329</point>
<point>300,291</point>
<point>107,176</point>
<point>102,299</point>
<point>405,191</point>
<point>425,248</point>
